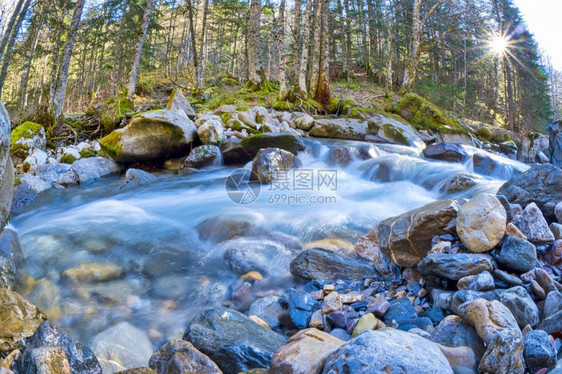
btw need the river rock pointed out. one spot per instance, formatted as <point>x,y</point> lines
<point>521,305</point>
<point>400,311</point>
<point>36,158</point>
<point>267,309</point>
<point>179,356</point>
<point>270,161</point>
<point>552,324</point>
<point>143,370</point>
<point>243,255</point>
<point>517,255</point>
<point>203,156</point>
<point>556,230</point>
<point>221,228</point>
<point>555,143</point>
<point>122,346</point>
<point>367,249</point>
<point>211,132</point>
<point>232,340</point>
<point>339,128</point>
<point>458,356</point>
<point>93,272</point>
<point>558,212</point>
<point>80,358</point>
<point>540,185</point>
<point>24,138</point>
<point>504,354</point>
<point>533,225</point>
<point>487,165</point>
<point>532,144</point>
<point>233,152</point>
<point>304,353</point>
<point>135,178</point>
<point>552,304</point>
<point>481,222</point>
<point>341,156</point>
<point>303,122</point>
<point>47,360</point>
<point>462,182</point>
<point>323,264</point>
<point>480,282</point>
<point>6,190</point>
<point>286,142</point>
<point>150,136</point>
<point>539,352</point>
<point>301,306</point>
<point>452,331</point>
<point>57,174</point>
<point>455,266</point>
<point>27,190</point>
<point>19,319</point>
<point>179,104</point>
<point>488,318</point>
<point>446,152</point>
<point>92,168</point>
<point>387,350</point>
<point>11,257</point>
<point>406,239</point>
<point>388,130</point>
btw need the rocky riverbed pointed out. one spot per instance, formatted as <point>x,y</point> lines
<point>436,252</point>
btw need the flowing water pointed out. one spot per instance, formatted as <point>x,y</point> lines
<point>169,272</point>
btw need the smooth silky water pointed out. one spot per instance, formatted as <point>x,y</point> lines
<point>169,273</point>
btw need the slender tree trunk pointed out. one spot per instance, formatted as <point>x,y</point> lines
<point>170,36</point>
<point>297,37</point>
<point>389,38</point>
<point>281,53</point>
<point>323,91</point>
<point>253,45</point>
<point>60,92</point>
<point>347,53</point>
<point>25,80</point>
<point>115,71</point>
<point>193,44</point>
<point>9,27</point>
<point>201,61</point>
<point>315,63</point>
<point>301,83</point>
<point>133,74</point>
<point>11,42</point>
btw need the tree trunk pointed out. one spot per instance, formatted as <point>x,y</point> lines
<point>56,55</point>
<point>301,83</point>
<point>9,27</point>
<point>193,43</point>
<point>323,91</point>
<point>132,85</point>
<point>115,71</point>
<point>253,45</point>
<point>25,80</point>
<point>58,101</point>
<point>199,70</point>
<point>297,37</point>
<point>315,63</point>
<point>281,53</point>
<point>11,43</point>
<point>389,38</point>
<point>347,52</point>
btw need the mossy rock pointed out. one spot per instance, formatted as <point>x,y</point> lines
<point>87,153</point>
<point>446,130</point>
<point>501,136</point>
<point>484,133</point>
<point>422,113</point>
<point>273,140</point>
<point>25,136</point>
<point>111,144</point>
<point>67,159</point>
<point>284,105</point>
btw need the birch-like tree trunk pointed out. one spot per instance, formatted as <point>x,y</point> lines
<point>297,37</point>
<point>56,55</point>
<point>281,52</point>
<point>253,44</point>
<point>323,91</point>
<point>193,42</point>
<point>315,62</point>
<point>199,70</point>
<point>11,42</point>
<point>301,83</point>
<point>133,74</point>
<point>62,76</point>
<point>389,38</point>
<point>9,27</point>
<point>347,52</point>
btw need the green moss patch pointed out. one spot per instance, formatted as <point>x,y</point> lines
<point>67,159</point>
<point>422,113</point>
<point>111,144</point>
<point>283,141</point>
<point>26,130</point>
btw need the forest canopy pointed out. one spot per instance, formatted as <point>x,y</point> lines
<point>473,59</point>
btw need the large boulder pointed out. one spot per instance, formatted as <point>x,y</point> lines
<point>11,257</point>
<point>555,147</point>
<point>532,145</point>
<point>150,136</point>
<point>540,185</point>
<point>317,263</point>
<point>388,130</point>
<point>211,132</point>
<point>287,142</point>
<point>93,168</point>
<point>19,319</point>
<point>481,223</point>
<point>136,178</point>
<point>269,162</point>
<point>203,156</point>
<point>446,152</point>
<point>406,239</point>
<point>232,340</point>
<point>305,353</point>
<point>80,358</point>
<point>533,225</point>
<point>387,351</point>
<point>243,255</point>
<point>339,128</point>
<point>179,104</point>
<point>233,152</point>
<point>422,113</point>
<point>179,356</point>
<point>57,174</point>
<point>455,266</point>
<point>25,138</point>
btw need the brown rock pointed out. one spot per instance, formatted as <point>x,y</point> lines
<point>305,353</point>
<point>379,306</point>
<point>512,230</point>
<point>367,248</point>
<point>259,321</point>
<point>49,360</point>
<point>504,354</point>
<point>352,297</point>
<point>488,318</point>
<point>317,320</point>
<point>180,356</point>
<point>458,356</point>
<point>19,319</point>
<point>406,239</point>
<point>93,272</point>
<point>537,289</point>
<point>332,303</point>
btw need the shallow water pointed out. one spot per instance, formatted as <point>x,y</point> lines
<point>169,273</point>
